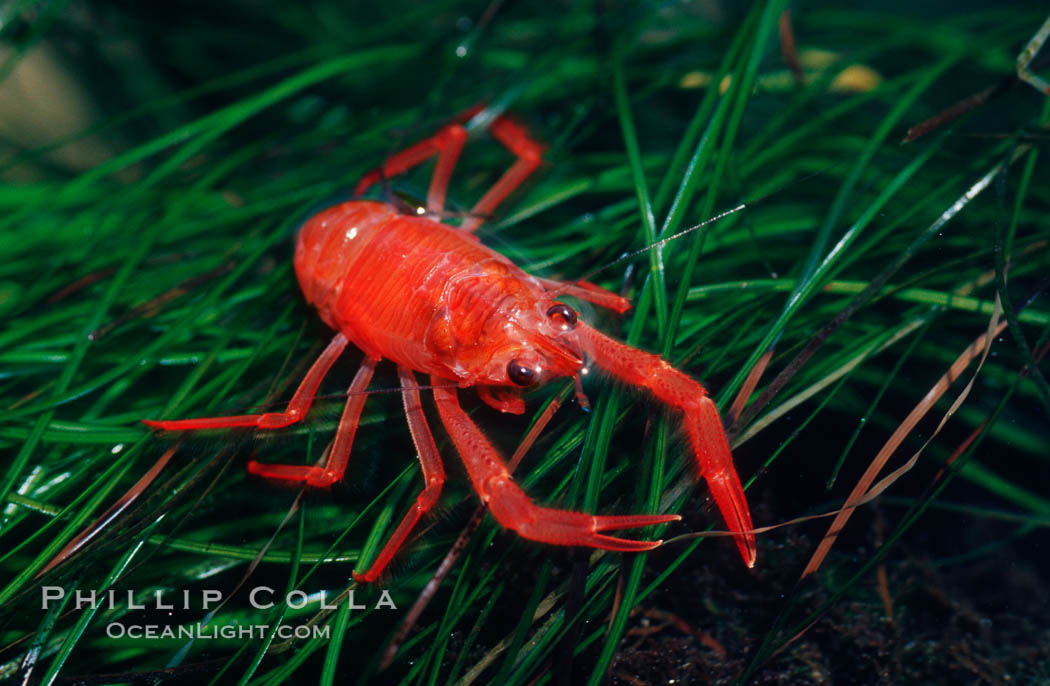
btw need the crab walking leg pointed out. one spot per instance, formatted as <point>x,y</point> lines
<point>513,509</point>
<point>433,475</point>
<point>297,407</point>
<point>703,427</point>
<point>335,466</point>
<point>446,144</point>
<point>515,138</point>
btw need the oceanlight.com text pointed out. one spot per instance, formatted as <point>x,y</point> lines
<point>205,631</point>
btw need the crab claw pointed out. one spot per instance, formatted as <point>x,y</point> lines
<point>612,523</point>
<point>513,509</point>
<point>703,428</point>
<point>708,438</point>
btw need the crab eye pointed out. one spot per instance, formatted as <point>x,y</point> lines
<point>563,315</point>
<point>520,375</point>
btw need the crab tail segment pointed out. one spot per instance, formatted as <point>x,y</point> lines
<point>702,425</point>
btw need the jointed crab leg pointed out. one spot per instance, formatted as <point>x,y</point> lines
<point>339,455</point>
<point>446,144</point>
<point>515,138</point>
<point>703,427</point>
<point>433,475</point>
<point>513,509</point>
<point>297,407</point>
